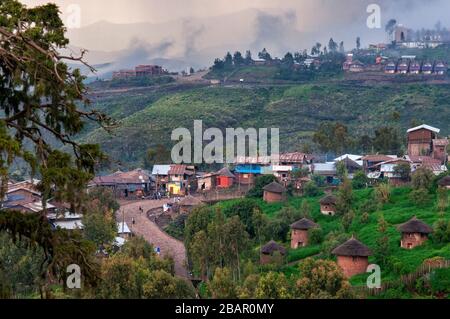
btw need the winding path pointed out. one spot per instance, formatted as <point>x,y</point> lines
<point>152,233</point>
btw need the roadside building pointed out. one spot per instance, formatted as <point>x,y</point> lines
<point>370,162</point>
<point>414,233</point>
<point>440,68</point>
<point>274,192</point>
<point>206,181</point>
<point>326,170</point>
<point>129,185</point>
<point>187,204</point>
<point>328,205</point>
<point>352,257</point>
<point>271,252</point>
<point>180,178</point>
<point>225,178</point>
<point>299,232</point>
<point>390,68</point>
<point>160,174</point>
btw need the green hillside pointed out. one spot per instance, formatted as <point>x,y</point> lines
<point>398,210</point>
<point>148,117</point>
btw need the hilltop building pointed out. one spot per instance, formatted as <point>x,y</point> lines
<point>274,193</point>
<point>352,257</point>
<point>299,232</point>
<point>328,205</point>
<point>269,252</point>
<point>414,233</point>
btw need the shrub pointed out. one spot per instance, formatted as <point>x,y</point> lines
<point>311,189</point>
<point>260,182</point>
<point>360,180</point>
<point>420,197</point>
<point>383,193</point>
<point>422,178</point>
<point>441,233</point>
<point>440,281</point>
<point>315,236</point>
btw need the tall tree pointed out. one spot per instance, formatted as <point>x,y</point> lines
<point>248,57</point>
<point>358,43</point>
<point>42,99</point>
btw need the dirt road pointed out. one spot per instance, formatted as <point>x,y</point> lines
<point>150,231</point>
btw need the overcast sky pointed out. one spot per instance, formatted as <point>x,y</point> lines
<point>202,29</point>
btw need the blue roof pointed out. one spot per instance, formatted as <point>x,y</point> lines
<point>248,169</point>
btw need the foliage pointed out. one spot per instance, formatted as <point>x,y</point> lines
<point>383,193</point>
<point>360,180</point>
<point>422,178</point>
<point>344,197</point>
<point>273,285</point>
<point>260,182</point>
<point>222,286</point>
<point>442,200</point>
<point>441,231</point>
<point>382,250</point>
<point>403,170</point>
<point>311,189</point>
<point>100,228</point>
<point>440,281</point>
<point>420,197</point>
<point>321,279</point>
<point>315,236</point>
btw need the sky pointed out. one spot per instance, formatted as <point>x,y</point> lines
<point>199,30</point>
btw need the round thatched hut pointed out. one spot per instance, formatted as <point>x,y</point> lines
<point>414,233</point>
<point>269,251</point>
<point>188,203</point>
<point>274,193</point>
<point>352,257</point>
<point>328,205</point>
<point>299,232</point>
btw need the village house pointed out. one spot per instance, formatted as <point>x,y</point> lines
<point>187,204</point>
<point>160,174</point>
<point>326,170</point>
<point>351,166</point>
<point>426,148</point>
<point>128,185</point>
<point>328,205</point>
<point>271,253</point>
<point>414,67</point>
<point>370,162</point>
<point>445,182</point>
<point>440,68</point>
<point>180,178</point>
<point>390,68</point>
<point>123,74</point>
<point>66,220</point>
<point>403,67</point>
<point>274,193</point>
<point>206,181</point>
<point>420,140</point>
<point>299,232</point>
<point>352,257</point>
<point>427,162</point>
<point>248,168</point>
<point>414,233</point>
<point>123,231</point>
<point>225,178</point>
<point>387,170</point>
<point>148,70</point>
<point>427,68</point>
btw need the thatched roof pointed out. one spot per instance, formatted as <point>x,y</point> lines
<point>352,248</point>
<point>444,181</point>
<point>304,224</point>
<point>190,201</point>
<point>272,247</point>
<point>274,187</point>
<point>328,200</point>
<point>225,172</point>
<point>415,226</point>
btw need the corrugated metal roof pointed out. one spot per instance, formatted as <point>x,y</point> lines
<point>424,126</point>
<point>160,169</point>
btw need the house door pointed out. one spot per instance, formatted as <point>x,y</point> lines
<point>300,244</point>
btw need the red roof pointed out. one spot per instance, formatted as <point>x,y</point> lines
<point>377,158</point>
<point>180,170</point>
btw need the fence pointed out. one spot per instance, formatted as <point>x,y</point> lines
<point>408,280</point>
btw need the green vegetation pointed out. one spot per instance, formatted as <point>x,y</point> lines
<point>298,110</point>
<point>374,225</point>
